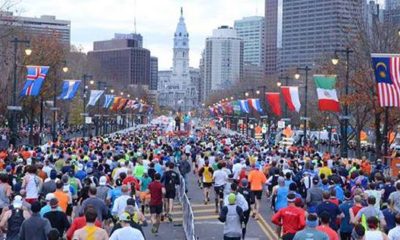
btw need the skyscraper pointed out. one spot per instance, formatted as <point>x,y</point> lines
<point>175,88</point>
<point>252,31</point>
<point>121,62</point>
<point>392,12</point>
<point>308,36</point>
<point>273,34</point>
<point>223,59</point>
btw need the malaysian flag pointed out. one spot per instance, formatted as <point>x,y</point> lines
<point>387,74</point>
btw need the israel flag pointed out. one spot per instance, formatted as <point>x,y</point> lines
<point>69,89</point>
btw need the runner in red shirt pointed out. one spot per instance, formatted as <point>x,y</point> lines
<point>157,191</point>
<point>291,218</point>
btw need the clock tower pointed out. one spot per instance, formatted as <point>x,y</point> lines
<point>181,49</point>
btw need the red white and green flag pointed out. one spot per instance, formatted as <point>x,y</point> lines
<point>327,96</point>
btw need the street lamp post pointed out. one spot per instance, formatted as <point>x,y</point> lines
<point>100,84</point>
<point>345,119</point>
<point>54,130</point>
<point>297,76</point>
<point>86,77</point>
<point>286,79</point>
<point>13,124</point>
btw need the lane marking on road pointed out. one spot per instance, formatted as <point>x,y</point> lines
<point>263,222</point>
<point>196,218</point>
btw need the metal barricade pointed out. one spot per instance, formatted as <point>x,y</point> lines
<point>187,212</point>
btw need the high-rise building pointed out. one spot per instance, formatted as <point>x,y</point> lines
<point>273,34</point>
<point>120,62</point>
<point>46,25</point>
<point>175,87</point>
<point>308,36</point>
<point>372,11</point>
<point>153,73</point>
<point>223,60</point>
<point>252,31</point>
<point>392,12</point>
<point>135,36</point>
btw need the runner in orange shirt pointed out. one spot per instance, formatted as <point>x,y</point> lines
<point>257,180</point>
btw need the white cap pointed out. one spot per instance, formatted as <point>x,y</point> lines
<point>50,196</point>
<point>80,166</point>
<point>17,203</point>
<point>103,181</point>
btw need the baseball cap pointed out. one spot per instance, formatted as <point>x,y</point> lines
<point>125,217</point>
<point>103,181</point>
<point>17,203</point>
<point>231,198</point>
<point>245,182</point>
<point>50,196</point>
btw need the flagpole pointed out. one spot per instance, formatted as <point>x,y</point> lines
<point>85,86</point>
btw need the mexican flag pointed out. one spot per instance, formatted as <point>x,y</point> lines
<point>327,96</point>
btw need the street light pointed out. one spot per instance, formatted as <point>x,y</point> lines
<point>279,84</point>
<point>122,93</point>
<point>344,121</point>
<point>231,98</point>
<point>112,91</point>
<point>297,76</point>
<point>54,130</point>
<point>258,92</point>
<point>13,125</point>
<point>246,94</point>
<point>85,78</point>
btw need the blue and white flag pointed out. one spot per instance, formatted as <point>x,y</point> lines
<point>69,89</point>
<point>94,96</point>
<point>108,101</point>
<point>244,105</point>
<point>34,80</point>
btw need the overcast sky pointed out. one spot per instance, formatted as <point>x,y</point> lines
<point>156,20</point>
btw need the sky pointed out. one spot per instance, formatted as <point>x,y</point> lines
<point>156,20</point>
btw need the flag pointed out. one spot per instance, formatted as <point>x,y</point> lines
<point>94,96</point>
<point>69,89</point>
<point>136,105</point>
<point>255,104</point>
<point>274,102</point>
<point>387,75</point>
<point>122,104</point>
<point>108,101</point>
<point>115,103</point>
<point>244,106</point>
<point>327,96</point>
<point>211,109</point>
<point>34,80</point>
<point>291,97</point>
<point>129,104</point>
<point>236,107</point>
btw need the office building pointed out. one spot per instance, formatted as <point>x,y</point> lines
<point>176,87</point>
<point>223,60</point>
<point>135,36</point>
<point>120,62</point>
<point>309,36</point>
<point>252,30</point>
<point>153,73</point>
<point>273,34</point>
<point>392,12</point>
<point>46,25</point>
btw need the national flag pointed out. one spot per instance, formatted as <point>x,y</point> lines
<point>327,96</point>
<point>255,104</point>
<point>69,89</point>
<point>115,104</point>
<point>108,101</point>
<point>136,105</point>
<point>122,104</point>
<point>34,80</point>
<point>211,109</point>
<point>387,75</point>
<point>129,104</point>
<point>273,99</point>
<point>94,97</point>
<point>236,107</point>
<point>244,106</point>
<point>291,97</point>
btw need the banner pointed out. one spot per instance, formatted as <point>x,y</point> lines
<point>94,97</point>
<point>69,89</point>
<point>255,104</point>
<point>244,106</point>
<point>273,100</point>
<point>108,101</point>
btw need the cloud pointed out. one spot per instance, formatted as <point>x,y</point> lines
<point>93,20</point>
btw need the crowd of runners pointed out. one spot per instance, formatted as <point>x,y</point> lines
<point>104,187</point>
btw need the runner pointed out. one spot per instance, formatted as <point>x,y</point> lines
<point>220,179</point>
<point>170,179</point>
<point>157,191</point>
<point>206,175</point>
<point>257,181</point>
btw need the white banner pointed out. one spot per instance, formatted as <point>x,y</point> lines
<point>94,96</point>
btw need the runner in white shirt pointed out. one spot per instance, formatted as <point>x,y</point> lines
<point>394,233</point>
<point>126,232</point>
<point>220,178</point>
